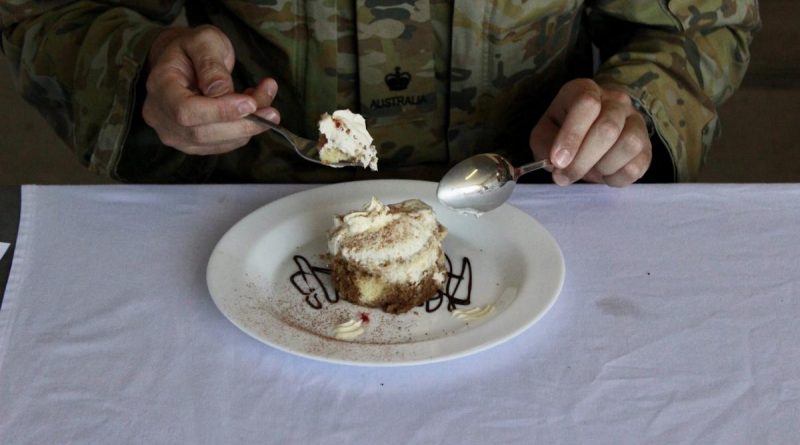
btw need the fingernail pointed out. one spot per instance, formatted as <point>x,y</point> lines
<point>271,115</point>
<point>560,179</point>
<point>215,89</point>
<point>245,107</point>
<point>561,158</point>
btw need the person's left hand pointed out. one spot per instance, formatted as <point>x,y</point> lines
<point>593,133</point>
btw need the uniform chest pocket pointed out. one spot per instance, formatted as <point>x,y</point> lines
<point>524,37</point>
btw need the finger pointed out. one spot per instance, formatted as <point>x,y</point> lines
<point>188,109</point>
<point>631,172</point>
<point>580,106</point>
<point>221,148</point>
<point>212,57</point>
<point>219,134</point>
<point>631,142</point>
<point>594,176</point>
<point>194,141</point>
<point>270,114</point>
<point>204,150</point>
<point>616,94</point>
<point>264,92</point>
<point>602,135</point>
<point>174,66</point>
<point>174,133</point>
<point>168,131</point>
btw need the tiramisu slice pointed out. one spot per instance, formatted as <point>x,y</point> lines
<point>389,257</point>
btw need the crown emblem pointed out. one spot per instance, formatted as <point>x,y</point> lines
<point>397,80</point>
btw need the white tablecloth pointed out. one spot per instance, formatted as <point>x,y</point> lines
<point>679,322</point>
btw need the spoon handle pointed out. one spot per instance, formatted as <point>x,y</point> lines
<point>533,166</point>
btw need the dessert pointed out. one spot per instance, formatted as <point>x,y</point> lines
<point>389,257</point>
<point>475,313</point>
<point>343,137</point>
<point>349,330</point>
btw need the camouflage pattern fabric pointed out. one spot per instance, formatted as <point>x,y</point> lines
<point>437,80</point>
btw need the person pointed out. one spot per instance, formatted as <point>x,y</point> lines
<point>610,91</point>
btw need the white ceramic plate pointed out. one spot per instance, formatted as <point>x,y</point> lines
<point>516,266</point>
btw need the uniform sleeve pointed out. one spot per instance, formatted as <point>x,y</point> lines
<point>680,60</point>
<point>79,63</point>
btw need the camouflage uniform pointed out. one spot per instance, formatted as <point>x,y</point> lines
<point>437,80</point>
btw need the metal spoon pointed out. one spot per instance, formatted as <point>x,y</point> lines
<point>482,182</point>
<point>307,149</point>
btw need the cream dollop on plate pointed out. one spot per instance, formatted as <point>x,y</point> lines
<point>349,330</point>
<point>475,313</point>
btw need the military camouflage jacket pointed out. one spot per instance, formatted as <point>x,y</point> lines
<point>437,80</point>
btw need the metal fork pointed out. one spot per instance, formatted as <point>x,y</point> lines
<point>307,149</point>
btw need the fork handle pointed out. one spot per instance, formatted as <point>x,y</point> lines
<point>293,139</point>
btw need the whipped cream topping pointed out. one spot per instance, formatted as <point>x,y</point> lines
<point>346,139</point>
<point>474,313</point>
<point>399,242</point>
<point>349,330</point>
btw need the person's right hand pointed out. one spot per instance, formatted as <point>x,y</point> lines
<point>191,103</point>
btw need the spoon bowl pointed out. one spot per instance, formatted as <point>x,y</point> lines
<point>481,183</point>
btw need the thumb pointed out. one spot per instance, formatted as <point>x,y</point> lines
<point>211,53</point>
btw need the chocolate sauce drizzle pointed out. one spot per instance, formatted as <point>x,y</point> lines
<point>307,281</point>
<point>451,286</point>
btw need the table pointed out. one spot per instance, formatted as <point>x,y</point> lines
<point>678,322</point>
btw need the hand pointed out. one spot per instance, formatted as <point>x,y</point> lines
<point>191,103</point>
<point>593,133</point>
